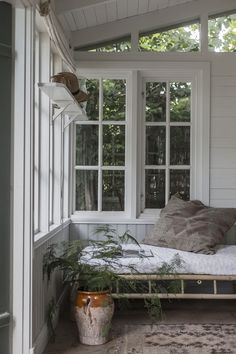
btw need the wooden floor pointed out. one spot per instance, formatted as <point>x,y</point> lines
<point>177,311</point>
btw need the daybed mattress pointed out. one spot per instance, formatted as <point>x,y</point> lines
<point>223,262</point>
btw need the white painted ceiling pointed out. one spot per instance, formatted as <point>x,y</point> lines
<point>77,15</point>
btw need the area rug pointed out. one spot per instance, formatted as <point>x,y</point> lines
<point>180,339</point>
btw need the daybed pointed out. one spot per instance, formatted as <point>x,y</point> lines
<point>195,232</point>
<point>201,276</point>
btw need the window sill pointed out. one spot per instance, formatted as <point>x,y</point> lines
<point>42,237</point>
<point>143,219</point>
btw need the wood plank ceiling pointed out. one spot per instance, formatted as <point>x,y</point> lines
<point>79,15</point>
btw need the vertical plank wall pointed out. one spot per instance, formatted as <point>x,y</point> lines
<point>87,231</point>
<point>223,131</point>
<point>44,292</point>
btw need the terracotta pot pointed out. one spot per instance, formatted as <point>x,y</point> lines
<point>93,313</point>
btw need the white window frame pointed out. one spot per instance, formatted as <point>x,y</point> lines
<point>53,141</point>
<point>198,73</point>
<point>167,124</point>
<point>107,215</point>
<point>199,139</point>
<point>36,133</point>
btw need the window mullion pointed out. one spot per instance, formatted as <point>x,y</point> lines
<point>100,142</point>
<point>167,191</point>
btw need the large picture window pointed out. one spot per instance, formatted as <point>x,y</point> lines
<point>100,161</point>
<point>167,136</point>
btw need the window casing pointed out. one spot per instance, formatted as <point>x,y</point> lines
<point>192,165</point>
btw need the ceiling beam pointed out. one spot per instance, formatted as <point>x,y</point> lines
<point>152,20</point>
<point>68,5</point>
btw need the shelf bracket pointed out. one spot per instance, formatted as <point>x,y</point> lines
<point>71,120</point>
<point>59,111</point>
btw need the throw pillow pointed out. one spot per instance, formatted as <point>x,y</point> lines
<point>191,226</point>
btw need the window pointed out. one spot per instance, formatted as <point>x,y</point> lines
<point>100,162</point>
<point>180,39</point>
<point>36,135</point>
<point>131,157</point>
<point>119,45</point>
<point>51,151</point>
<point>49,145</point>
<point>222,33</point>
<point>167,132</point>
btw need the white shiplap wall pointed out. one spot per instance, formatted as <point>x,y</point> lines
<point>223,132</point>
<point>87,231</point>
<point>43,291</point>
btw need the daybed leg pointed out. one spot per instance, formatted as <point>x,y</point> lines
<point>149,286</point>
<point>215,286</point>
<point>182,287</point>
<point>117,287</point>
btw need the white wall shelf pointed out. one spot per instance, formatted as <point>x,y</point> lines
<point>67,104</point>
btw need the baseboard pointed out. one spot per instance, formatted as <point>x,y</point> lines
<point>43,337</point>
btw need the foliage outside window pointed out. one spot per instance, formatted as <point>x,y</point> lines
<point>222,33</point>
<point>167,141</point>
<point>120,45</point>
<point>179,39</point>
<point>100,148</point>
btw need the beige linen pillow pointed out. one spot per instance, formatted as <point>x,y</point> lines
<point>191,226</point>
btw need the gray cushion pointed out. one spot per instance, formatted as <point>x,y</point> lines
<point>191,226</point>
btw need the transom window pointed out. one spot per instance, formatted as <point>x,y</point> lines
<point>100,168</point>
<point>167,136</point>
<point>184,38</point>
<point>116,46</point>
<point>222,33</point>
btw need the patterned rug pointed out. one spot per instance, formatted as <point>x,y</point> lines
<point>180,339</point>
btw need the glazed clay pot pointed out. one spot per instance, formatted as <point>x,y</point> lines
<point>93,314</point>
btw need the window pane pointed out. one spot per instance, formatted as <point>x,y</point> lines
<point>155,109</point>
<point>86,190</point>
<point>87,145</point>
<point>180,101</point>
<point>155,145</point>
<point>113,191</point>
<point>181,39</point>
<point>179,145</point>
<point>113,145</point>
<point>114,97</point>
<point>123,45</point>
<point>180,183</point>
<point>155,188</point>
<point>222,33</point>
<point>92,105</point>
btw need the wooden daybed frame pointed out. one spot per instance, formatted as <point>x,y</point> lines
<point>183,278</point>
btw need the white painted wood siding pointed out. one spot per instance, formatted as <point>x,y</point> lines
<point>74,18</point>
<point>223,132</point>
<point>87,231</point>
<point>43,292</point>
